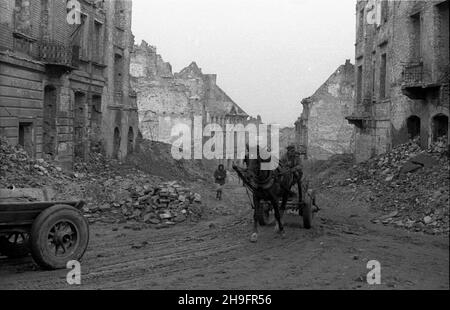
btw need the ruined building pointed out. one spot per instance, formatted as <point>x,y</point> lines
<point>167,100</point>
<point>402,74</point>
<point>64,78</point>
<point>321,130</point>
<point>287,137</point>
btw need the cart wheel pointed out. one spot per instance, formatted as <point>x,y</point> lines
<point>15,245</point>
<point>307,214</point>
<point>58,235</point>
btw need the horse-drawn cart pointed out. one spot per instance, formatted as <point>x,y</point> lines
<point>272,195</point>
<point>53,232</point>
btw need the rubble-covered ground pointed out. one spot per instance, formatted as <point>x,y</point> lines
<point>126,251</point>
<point>114,192</point>
<point>408,187</point>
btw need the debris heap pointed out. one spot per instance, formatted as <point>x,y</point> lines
<point>409,185</point>
<point>114,192</point>
<point>18,169</point>
<point>136,199</point>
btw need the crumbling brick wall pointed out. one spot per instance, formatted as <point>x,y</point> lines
<point>166,99</point>
<point>322,129</point>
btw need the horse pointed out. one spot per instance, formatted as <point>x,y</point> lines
<point>269,185</point>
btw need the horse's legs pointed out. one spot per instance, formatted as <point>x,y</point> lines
<point>257,206</point>
<point>273,200</point>
<point>283,204</point>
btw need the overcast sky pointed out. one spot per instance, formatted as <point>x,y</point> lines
<point>267,54</point>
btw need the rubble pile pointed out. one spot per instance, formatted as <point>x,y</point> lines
<point>404,158</point>
<point>21,171</point>
<point>440,146</point>
<point>96,164</point>
<point>136,199</point>
<point>113,192</point>
<point>409,185</point>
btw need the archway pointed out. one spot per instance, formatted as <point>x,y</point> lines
<point>413,125</point>
<point>440,126</point>
<point>116,143</point>
<point>130,145</point>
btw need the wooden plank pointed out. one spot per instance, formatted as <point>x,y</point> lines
<point>18,216</point>
<point>16,226</point>
<point>35,206</point>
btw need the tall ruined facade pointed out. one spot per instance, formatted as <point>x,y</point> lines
<point>402,74</point>
<point>321,130</point>
<point>167,100</point>
<point>64,87</point>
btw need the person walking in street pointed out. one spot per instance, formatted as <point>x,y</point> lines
<point>220,176</point>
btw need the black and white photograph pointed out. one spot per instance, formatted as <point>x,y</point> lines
<point>225,151</point>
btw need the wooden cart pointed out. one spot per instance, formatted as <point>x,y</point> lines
<point>53,232</point>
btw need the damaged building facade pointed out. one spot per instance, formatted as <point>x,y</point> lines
<point>322,131</point>
<point>401,74</point>
<point>64,87</point>
<point>168,100</point>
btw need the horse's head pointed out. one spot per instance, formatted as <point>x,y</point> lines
<point>235,168</point>
<point>254,163</point>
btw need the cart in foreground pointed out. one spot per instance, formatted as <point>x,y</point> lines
<point>54,232</point>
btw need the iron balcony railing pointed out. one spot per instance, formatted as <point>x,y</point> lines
<point>412,74</point>
<point>56,53</point>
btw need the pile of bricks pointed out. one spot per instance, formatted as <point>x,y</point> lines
<point>134,199</point>
<point>410,186</point>
<point>18,169</point>
<point>113,193</point>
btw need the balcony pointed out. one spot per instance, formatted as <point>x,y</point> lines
<point>362,114</point>
<point>58,55</point>
<point>412,74</point>
<point>414,83</point>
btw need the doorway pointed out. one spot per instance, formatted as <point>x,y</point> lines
<point>440,126</point>
<point>116,143</point>
<point>26,137</point>
<point>49,122</point>
<point>130,146</point>
<point>413,125</point>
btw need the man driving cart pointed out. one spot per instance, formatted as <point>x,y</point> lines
<point>291,162</point>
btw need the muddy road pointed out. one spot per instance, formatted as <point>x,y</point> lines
<point>216,253</point>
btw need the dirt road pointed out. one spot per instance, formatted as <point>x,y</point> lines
<point>216,253</point>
